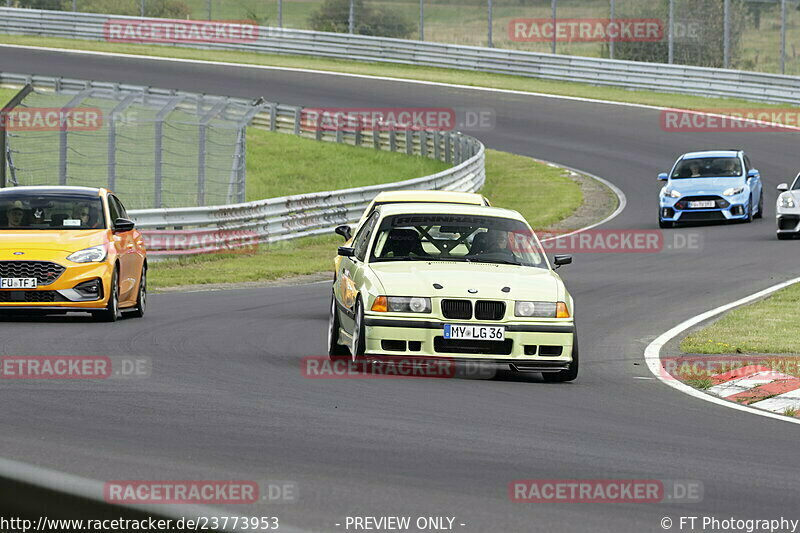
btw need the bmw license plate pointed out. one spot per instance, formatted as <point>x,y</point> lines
<point>18,283</point>
<point>480,333</point>
<point>702,204</point>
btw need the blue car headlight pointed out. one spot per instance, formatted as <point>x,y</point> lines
<point>671,193</point>
<point>733,191</point>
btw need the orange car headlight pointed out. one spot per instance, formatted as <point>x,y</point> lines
<point>95,254</point>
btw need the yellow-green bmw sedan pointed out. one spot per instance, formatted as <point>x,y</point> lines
<point>457,282</point>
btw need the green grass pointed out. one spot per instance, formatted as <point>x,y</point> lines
<point>6,95</point>
<point>477,79</point>
<point>511,180</point>
<point>764,327</point>
<point>279,165</point>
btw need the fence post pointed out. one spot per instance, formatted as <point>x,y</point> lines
<point>273,117</point>
<point>392,139</point>
<point>112,137</point>
<point>376,137</point>
<point>351,18</point>
<point>280,13</point>
<point>555,14</point>
<point>409,142</point>
<point>201,148</point>
<point>422,20</point>
<point>62,134</point>
<point>298,111</point>
<point>159,132</point>
<point>14,102</point>
<point>423,143</point>
<point>671,30</point>
<point>783,36</point>
<point>437,145</point>
<point>726,41</point>
<point>612,12</point>
<point>448,147</point>
<point>489,21</point>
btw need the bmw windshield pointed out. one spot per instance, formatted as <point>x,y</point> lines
<point>465,238</point>
<point>50,211</point>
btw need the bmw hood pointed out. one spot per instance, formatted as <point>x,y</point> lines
<point>698,186</point>
<point>468,280</point>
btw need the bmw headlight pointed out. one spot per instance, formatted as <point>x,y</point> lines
<point>402,304</point>
<point>733,191</point>
<point>786,201</point>
<point>672,193</point>
<point>535,309</point>
<point>95,254</point>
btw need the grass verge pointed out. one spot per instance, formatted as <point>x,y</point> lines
<point>764,327</point>
<point>511,182</point>
<point>279,164</point>
<point>460,77</point>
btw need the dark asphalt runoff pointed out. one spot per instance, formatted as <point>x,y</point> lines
<point>226,399</point>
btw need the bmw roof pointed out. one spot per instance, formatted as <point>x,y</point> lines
<point>448,209</point>
<point>51,189</point>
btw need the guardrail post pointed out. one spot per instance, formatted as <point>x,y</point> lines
<point>358,131</point>
<point>339,134</point>
<point>423,143</point>
<point>392,139</point>
<point>273,117</point>
<point>457,152</point>
<point>298,111</point>
<point>671,30</point>
<point>448,147</point>
<point>376,137</point>
<point>437,145</point>
<point>409,142</point>
<point>489,20</point>
<point>62,134</point>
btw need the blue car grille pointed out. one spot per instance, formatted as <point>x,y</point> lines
<point>719,202</point>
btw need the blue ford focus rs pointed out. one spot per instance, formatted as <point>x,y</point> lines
<point>718,185</point>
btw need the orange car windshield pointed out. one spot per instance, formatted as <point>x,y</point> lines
<point>50,212</point>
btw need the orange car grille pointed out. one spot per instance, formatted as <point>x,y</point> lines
<point>45,272</point>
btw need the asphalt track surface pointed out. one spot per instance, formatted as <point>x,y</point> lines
<point>227,399</point>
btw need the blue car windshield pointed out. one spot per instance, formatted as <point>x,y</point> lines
<point>708,167</point>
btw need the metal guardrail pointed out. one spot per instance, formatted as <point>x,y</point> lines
<point>191,230</point>
<point>627,74</point>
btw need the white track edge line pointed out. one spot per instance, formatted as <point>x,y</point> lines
<point>652,354</point>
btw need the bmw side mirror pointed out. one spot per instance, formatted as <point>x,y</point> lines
<point>752,173</point>
<point>663,177</point>
<point>347,251</point>
<point>121,225</point>
<point>560,260</point>
<point>345,231</point>
<point>783,187</point>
